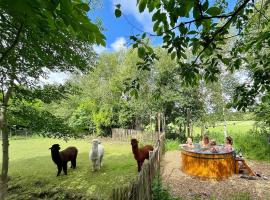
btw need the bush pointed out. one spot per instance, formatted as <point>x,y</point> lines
<point>172,145</point>
<point>161,193</point>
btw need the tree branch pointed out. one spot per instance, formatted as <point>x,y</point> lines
<point>261,13</point>
<point>15,42</point>
<point>221,29</point>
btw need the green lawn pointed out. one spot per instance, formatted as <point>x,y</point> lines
<point>33,173</point>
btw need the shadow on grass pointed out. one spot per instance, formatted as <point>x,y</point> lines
<point>35,178</point>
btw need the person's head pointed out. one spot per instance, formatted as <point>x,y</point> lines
<point>213,143</point>
<point>205,139</point>
<point>189,140</point>
<point>229,140</point>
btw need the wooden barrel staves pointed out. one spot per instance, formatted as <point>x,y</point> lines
<point>207,165</point>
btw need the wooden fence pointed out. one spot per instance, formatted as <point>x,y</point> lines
<point>140,188</point>
<point>125,135</point>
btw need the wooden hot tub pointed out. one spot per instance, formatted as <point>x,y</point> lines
<point>207,165</point>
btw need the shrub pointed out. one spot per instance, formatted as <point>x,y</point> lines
<point>161,193</point>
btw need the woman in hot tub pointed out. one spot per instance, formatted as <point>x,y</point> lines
<point>228,144</point>
<point>205,142</point>
<point>188,144</point>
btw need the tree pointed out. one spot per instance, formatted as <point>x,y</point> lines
<point>203,27</point>
<point>252,52</point>
<point>38,37</point>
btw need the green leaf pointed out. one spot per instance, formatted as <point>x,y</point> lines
<point>142,5</point>
<point>213,11</point>
<point>183,29</point>
<point>205,5</point>
<point>141,52</point>
<point>192,32</point>
<point>118,6</point>
<point>173,55</point>
<point>117,13</point>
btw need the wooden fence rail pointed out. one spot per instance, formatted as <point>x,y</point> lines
<point>140,188</point>
<point>125,135</point>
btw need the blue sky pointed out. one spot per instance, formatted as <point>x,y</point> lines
<point>118,30</point>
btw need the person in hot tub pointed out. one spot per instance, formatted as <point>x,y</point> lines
<point>228,144</point>
<point>213,148</point>
<point>188,144</point>
<point>205,141</point>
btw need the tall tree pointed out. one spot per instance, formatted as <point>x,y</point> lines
<point>202,27</point>
<point>38,37</point>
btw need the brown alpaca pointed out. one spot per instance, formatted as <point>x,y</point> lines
<point>61,158</point>
<point>140,154</point>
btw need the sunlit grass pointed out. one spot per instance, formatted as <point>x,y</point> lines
<point>33,174</point>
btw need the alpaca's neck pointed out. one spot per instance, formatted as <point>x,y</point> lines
<point>135,150</point>
<point>56,156</point>
<point>95,151</point>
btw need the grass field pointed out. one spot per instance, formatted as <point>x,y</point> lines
<point>33,174</point>
<point>252,144</point>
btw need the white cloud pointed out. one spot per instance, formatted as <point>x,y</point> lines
<point>99,49</point>
<point>119,44</point>
<point>55,78</point>
<point>129,7</point>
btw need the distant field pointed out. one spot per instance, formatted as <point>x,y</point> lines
<point>233,128</point>
<point>33,174</point>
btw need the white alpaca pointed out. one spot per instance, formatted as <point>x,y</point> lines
<point>96,154</point>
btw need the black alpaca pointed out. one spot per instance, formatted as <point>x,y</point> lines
<point>61,158</point>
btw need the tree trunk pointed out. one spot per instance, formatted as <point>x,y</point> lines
<point>5,144</point>
<point>164,123</point>
<point>224,123</point>
<point>188,122</point>
<point>191,128</point>
<point>202,129</point>
<point>185,128</point>
<point>159,125</point>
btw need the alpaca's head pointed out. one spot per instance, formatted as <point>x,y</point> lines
<point>95,142</point>
<point>134,142</point>
<point>55,147</point>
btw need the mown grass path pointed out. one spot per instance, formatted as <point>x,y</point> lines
<point>33,174</point>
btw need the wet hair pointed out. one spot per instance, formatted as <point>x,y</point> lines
<point>230,140</point>
<point>205,137</point>
<point>213,143</point>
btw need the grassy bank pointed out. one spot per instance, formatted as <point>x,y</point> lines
<point>33,174</point>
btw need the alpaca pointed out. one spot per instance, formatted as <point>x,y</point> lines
<point>96,154</point>
<point>61,158</point>
<point>140,154</point>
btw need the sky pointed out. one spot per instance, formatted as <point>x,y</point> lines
<point>118,30</point>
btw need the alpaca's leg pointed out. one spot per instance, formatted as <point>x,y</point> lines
<point>73,163</point>
<point>65,167</point>
<point>139,166</point>
<point>93,165</point>
<point>59,167</point>
<point>101,157</point>
<point>98,163</point>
